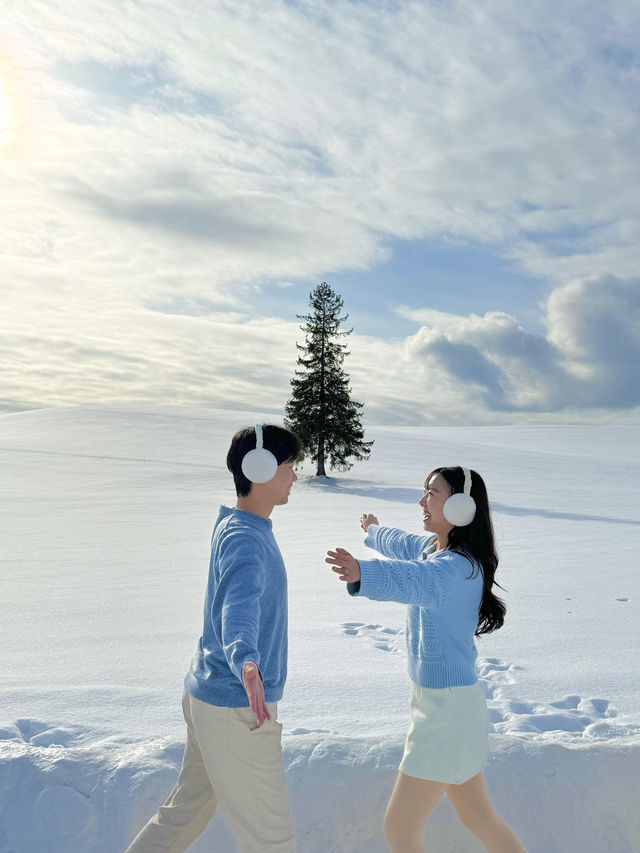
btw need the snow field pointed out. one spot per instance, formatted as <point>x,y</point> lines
<point>105,525</point>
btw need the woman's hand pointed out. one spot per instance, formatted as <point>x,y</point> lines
<point>344,565</point>
<point>366,519</point>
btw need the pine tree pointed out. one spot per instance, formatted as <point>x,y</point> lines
<point>320,410</point>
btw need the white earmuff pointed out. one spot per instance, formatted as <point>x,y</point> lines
<point>259,465</point>
<point>460,509</point>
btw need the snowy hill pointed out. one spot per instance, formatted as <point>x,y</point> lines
<point>105,523</point>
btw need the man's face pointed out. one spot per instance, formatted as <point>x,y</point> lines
<point>279,487</point>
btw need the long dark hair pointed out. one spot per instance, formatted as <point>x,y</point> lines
<point>476,542</point>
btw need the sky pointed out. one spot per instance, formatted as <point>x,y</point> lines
<point>177,177</point>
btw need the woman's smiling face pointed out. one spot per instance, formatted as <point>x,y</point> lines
<point>436,492</point>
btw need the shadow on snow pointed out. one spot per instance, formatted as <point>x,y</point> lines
<point>374,491</point>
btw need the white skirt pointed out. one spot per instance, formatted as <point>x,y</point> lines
<point>448,740</point>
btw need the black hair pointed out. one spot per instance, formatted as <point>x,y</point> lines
<point>476,542</point>
<point>284,444</point>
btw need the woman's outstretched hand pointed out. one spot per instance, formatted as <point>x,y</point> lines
<point>344,565</point>
<point>366,519</point>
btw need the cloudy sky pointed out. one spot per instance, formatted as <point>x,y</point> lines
<point>177,176</point>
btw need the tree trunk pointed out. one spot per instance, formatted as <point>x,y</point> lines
<point>321,471</point>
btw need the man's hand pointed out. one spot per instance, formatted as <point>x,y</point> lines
<point>255,692</point>
<point>366,519</point>
<point>344,564</point>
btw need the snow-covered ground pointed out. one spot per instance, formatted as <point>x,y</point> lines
<point>105,523</point>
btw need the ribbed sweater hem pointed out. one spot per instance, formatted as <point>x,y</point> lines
<point>441,675</point>
<point>228,696</point>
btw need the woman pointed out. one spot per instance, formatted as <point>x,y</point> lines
<point>446,579</point>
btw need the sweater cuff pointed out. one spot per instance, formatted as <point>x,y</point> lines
<point>371,536</point>
<point>236,668</point>
<point>372,578</point>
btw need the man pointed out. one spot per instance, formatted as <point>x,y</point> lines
<point>233,754</point>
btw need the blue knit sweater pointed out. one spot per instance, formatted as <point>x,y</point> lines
<point>443,603</point>
<point>245,612</point>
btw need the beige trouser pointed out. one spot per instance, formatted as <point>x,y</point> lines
<point>230,762</point>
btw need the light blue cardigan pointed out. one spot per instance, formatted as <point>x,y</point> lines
<point>443,598</point>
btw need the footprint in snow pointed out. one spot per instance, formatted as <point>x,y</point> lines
<point>573,715</point>
<point>385,639</point>
<point>576,716</point>
<point>303,731</point>
<point>493,674</point>
<point>38,733</point>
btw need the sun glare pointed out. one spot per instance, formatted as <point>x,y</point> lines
<point>5,114</point>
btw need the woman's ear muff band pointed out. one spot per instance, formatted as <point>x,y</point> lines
<point>259,465</point>
<point>460,509</point>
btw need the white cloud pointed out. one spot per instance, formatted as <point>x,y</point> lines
<point>167,162</point>
<point>588,359</point>
<point>442,320</point>
<point>409,121</point>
